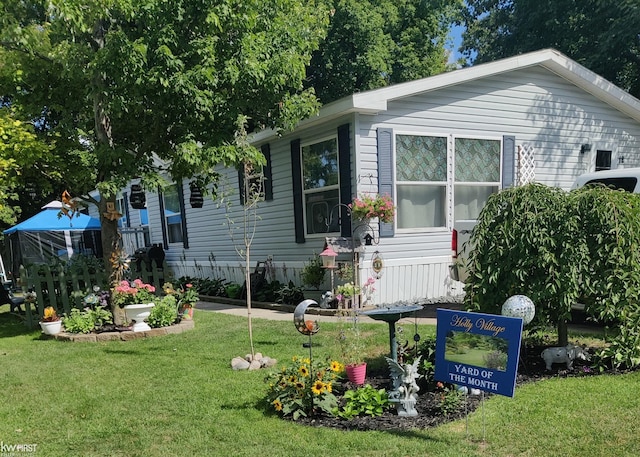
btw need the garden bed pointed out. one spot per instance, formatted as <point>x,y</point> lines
<point>127,335</point>
<point>430,413</point>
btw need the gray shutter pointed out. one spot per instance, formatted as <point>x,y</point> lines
<point>508,161</point>
<point>344,168</point>
<point>296,174</point>
<point>385,173</point>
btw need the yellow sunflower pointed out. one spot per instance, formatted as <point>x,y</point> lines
<point>277,404</point>
<point>299,385</point>
<point>336,367</point>
<point>304,371</point>
<point>318,387</point>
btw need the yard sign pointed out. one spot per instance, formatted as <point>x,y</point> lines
<point>480,351</point>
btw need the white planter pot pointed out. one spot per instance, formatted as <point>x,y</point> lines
<point>51,328</point>
<point>138,313</point>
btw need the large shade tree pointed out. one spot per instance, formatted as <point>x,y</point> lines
<point>371,44</point>
<point>139,89</point>
<point>603,35</point>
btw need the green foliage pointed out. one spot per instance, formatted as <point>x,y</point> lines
<point>352,345</point>
<point>365,400</point>
<point>299,386</point>
<point>122,90</point>
<point>372,44</point>
<point>164,313</point>
<point>212,287</point>
<point>313,273</point>
<point>87,320</point>
<point>450,398</point>
<point>427,368</point>
<point>600,34</point>
<point>524,243</point>
<point>290,294</point>
<point>78,321</point>
<point>233,290</point>
<point>559,249</point>
<point>268,292</point>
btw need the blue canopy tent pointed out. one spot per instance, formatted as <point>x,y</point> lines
<point>46,235</point>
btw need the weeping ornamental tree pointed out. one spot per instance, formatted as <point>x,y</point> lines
<point>559,249</point>
<point>149,89</point>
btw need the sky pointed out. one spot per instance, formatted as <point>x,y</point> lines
<point>455,34</point>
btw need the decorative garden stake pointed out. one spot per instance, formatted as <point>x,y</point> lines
<point>309,328</point>
<point>405,388</point>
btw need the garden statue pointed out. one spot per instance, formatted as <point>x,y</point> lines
<point>405,387</point>
<point>566,354</point>
<point>328,300</point>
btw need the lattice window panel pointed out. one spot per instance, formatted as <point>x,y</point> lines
<point>526,165</point>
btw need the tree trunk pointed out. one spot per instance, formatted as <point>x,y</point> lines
<point>563,334</point>
<point>247,278</point>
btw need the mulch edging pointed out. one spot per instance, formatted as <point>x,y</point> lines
<point>182,326</point>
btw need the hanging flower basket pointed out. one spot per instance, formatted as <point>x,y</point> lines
<point>370,206</point>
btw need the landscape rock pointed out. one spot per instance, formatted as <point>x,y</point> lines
<point>238,363</point>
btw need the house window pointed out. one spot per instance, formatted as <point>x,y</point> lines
<point>603,160</point>
<point>172,214</point>
<point>425,171</point>
<point>477,175</point>
<point>260,181</point>
<point>121,207</point>
<point>320,181</point>
<point>421,181</point>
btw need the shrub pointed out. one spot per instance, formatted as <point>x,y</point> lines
<point>87,320</point>
<point>290,294</point>
<point>164,313</point>
<point>233,290</point>
<point>78,321</point>
<point>560,248</point>
<point>365,400</point>
<point>313,273</point>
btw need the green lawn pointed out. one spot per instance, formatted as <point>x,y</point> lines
<point>177,396</point>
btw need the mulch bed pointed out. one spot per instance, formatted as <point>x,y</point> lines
<point>531,369</point>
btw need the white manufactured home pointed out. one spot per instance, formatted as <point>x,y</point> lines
<point>439,146</point>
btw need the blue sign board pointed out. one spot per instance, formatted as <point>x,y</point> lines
<point>480,351</point>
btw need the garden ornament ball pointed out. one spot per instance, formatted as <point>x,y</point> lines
<point>519,306</point>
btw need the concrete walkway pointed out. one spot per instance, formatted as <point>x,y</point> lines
<point>426,316</point>
<point>285,313</point>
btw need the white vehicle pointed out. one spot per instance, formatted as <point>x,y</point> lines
<point>622,178</point>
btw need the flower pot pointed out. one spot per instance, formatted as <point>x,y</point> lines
<point>138,313</point>
<point>356,373</point>
<point>186,312</point>
<point>51,328</point>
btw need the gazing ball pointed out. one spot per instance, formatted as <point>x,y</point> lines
<point>519,306</point>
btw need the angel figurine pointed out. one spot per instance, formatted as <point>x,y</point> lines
<point>405,388</point>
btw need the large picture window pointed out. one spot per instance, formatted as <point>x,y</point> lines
<point>172,214</point>
<point>427,167</point>
<point>320,179</point>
